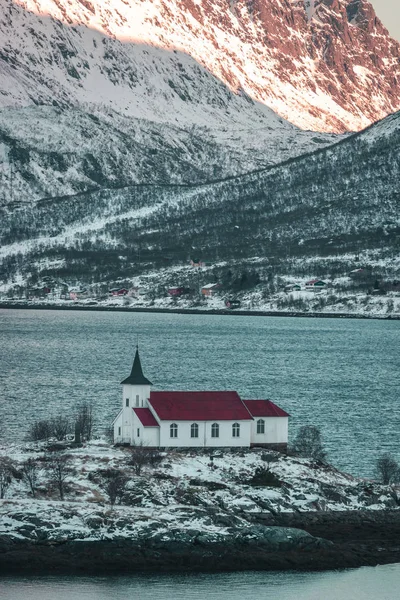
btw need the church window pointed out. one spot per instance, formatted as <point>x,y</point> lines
<point>260,426</point>
<point>138,432</point>
<point>119,430</point>
<point>137,399</point>
<point>236,430</point>
<point>126,401</point>
<point>215,430</point>
<point>194,430</point>
<point>173,430</point>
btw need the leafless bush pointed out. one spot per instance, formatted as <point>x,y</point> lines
<point>39,430</point>
<point>30,474</point>
<point>114,485</point>
<point>141,455</point>
<point>84,421</point>
<point>60,427</point>
<point>59,469</point>
<point>6,472</point>
<point>308,443</point>
<point>387,469</point>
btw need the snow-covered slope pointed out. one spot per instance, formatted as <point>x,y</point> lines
<point>328,65</point>
<point>342,199</point>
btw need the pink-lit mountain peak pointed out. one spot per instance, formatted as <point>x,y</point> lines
<point>327,65</point>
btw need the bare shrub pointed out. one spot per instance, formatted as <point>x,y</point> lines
<point>30,474</point>
<point>114,485</point>
<point>308,443</point>
<point>59,469</point>
<point>6,473</point>
<point>141,455</point>
<point>387,469</point>
<point>60,427</point>
<point>84,421</point>
<point>39,430</point>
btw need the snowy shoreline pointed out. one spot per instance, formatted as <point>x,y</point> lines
<point>197,311</point>
<point>191,512</point>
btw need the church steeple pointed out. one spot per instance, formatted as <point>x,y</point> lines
<point>136,377</point>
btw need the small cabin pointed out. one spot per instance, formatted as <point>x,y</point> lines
<point>211,289</point>
<point>118,292</point>
<point>177,291</point>
<point>315,284</point>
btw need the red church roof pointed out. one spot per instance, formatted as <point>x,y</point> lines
<point>146,417</point>
<point>199,406</point>
<point>264,408</point>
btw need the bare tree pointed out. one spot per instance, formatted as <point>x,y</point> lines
<point>6,471</point>
<point>84,421</point>
<point>60,426</point>
<point>30,474</point>
<point>39,430</point>
<point>59,469</point>
<point>139,456</point>
<point>115,485</point>
<point>308,443</point>
<point>387,469</point>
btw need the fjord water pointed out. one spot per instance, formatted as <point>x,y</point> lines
<point>340,374</point>
<point>376,583</point>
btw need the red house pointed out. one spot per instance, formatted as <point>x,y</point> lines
<point>118,292</point>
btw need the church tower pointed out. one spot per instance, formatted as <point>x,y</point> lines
<point>135,394</point>
<point>136,387</point>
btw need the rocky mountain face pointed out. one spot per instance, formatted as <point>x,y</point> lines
<point>115,93</point>
<point>116,113</point>
<point>327,65</point>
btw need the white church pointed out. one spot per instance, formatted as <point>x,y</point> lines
<point>195,419</point>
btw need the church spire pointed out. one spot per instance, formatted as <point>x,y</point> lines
<point>136,377</point>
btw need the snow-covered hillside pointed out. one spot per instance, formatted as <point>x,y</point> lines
<point>340,204</point>
<point>329,66</point>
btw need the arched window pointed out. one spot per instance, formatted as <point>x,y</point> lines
<point>137,399</point>
<point>260,426</point>
<point>173,430</point>
<point>194,430</point>
<point>214,430</point>
<point>236,430</point>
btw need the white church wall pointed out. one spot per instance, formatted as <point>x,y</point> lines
<point>135,395</point>
<point>276,431</point>
<point>205,438</point>
<point>149,436</point>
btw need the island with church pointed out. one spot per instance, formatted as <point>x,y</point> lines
<point>195,419</point>
<point>187,481</point>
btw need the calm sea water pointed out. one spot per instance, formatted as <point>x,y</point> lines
<point>342,375</point>
<point>379,583</point>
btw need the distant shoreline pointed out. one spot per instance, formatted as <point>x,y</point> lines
<point>200,311</point>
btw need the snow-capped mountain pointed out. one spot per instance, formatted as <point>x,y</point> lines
<point>114,93</point>
<point>326,65</point>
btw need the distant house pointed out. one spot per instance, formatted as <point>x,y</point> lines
<point>178,291</point>
<point>292,287</point>
<point>315,284</point>
<point>118,292</point>
<point>210,289</point>
<point>76,293</point>
<point>198,263</point>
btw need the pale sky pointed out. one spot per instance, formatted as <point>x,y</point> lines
<point>389,13</point>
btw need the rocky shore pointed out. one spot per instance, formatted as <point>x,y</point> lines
<point>189,512</point>
<point>348,540</point>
